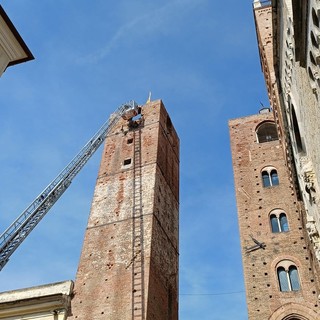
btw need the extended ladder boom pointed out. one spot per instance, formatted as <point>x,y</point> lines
<point>14,235</point>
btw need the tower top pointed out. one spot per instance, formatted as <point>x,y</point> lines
<point>261,3</point>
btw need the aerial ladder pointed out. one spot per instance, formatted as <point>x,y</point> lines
<point>14,235</point>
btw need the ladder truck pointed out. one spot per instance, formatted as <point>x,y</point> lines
<point>14,235</point>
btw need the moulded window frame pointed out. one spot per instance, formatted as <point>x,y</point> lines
<point>277,213</point>
<point>269,170</point>
<point>286,265</point>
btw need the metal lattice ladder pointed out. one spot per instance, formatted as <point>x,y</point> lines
<point>138,298</point>
<point>14,235</point>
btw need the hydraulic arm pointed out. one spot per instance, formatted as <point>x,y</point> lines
<point>14,235</point>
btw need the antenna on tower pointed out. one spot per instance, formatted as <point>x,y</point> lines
<point>264,109</point>
<point>149,97</point>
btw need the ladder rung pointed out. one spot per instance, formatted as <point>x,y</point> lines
<point>138,277</point>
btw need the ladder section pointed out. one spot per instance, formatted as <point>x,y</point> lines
<point>138,292</point>
<point>14,235</point>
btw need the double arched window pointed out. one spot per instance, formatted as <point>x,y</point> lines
<point>288,277</point>
<point>278,221</point>
<point>269,177</point>
<point>267,131</point>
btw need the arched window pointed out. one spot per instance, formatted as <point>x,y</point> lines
<point>266,179</point>
<point>283,279</point>
<point>269,177</point>
<point>278,221</point>
<point>294,278</point>
<point>274,223</point>
<point>274,177</point>
<point>288,276</point>
<point>283,222</point>
<point>267,131</point>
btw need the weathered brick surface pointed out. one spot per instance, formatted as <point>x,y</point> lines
<point>104,282</point>
<point>254,203</point>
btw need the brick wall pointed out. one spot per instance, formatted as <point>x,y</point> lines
<point>105,286</point>
<point>254,203</point>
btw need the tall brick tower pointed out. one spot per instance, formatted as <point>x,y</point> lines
<point>279,278</point>
<point>129,263</point>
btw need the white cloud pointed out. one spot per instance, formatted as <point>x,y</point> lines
<point>139,25</point>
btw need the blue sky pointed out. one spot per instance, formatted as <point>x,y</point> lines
<point>200,57</point>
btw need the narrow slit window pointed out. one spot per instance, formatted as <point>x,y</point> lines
<point>274,223</point>
<point>296,130</point>
<point>274,178</point>
<point>283,222</point>
<point>265,179</point>
<point>313,40</point>
<point>294,278</point>
<point>315,18</point>
<point>283,279</point>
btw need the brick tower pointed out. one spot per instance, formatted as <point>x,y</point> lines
<point>279,278</point>
<point>128,268</point>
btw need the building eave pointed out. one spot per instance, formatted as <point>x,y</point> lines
<point>27,55</point>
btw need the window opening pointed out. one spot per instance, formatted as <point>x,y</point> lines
<point>283,279</point>
<point>126,162</point>
<point>274,223</point>
<point>169,123</point>
<point>311,74</point>
<point>137,117</point>
<point>288,278</point>
<point>315,18</point>
<point>269,177</point>
<point>296,130</point>
<point>283,222</point>
<point>279,222</point>
<point>294,278</point>
<point>266,132</point>
<point>313,40</point>
<point>136,121</point>
<point>312,59</point>
<point>274,178</point>
<point>265,179</point>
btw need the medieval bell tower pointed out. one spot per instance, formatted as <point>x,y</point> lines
<point>128,268</point>
<point>280,281</point>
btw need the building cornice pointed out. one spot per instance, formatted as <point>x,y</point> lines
<point>13,49</point>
